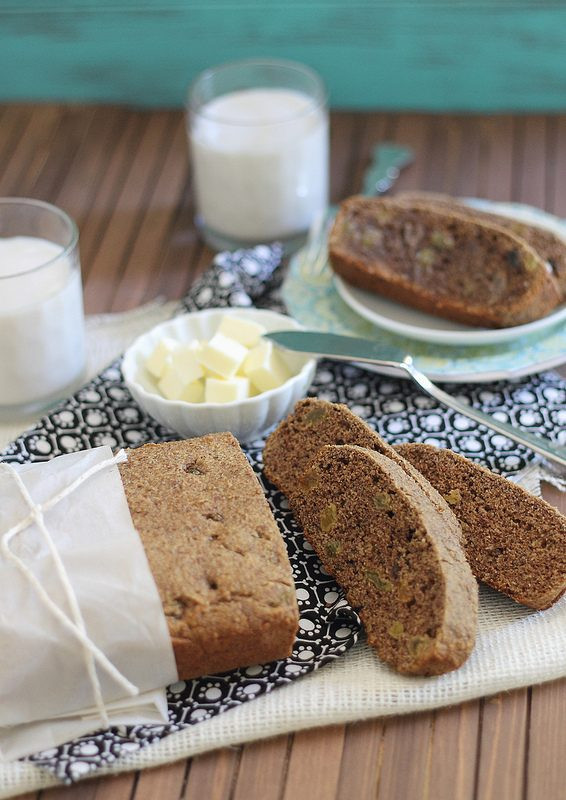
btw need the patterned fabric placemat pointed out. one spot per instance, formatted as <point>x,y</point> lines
<point>103,412</point>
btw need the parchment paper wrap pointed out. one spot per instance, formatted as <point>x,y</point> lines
<point>43,676</point>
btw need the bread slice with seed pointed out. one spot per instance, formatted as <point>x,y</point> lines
<point>215,551</point>
<point>514,541</point>
<point>399,562</point>
<point>442,262</point>
<point>548,244</point>
<point>314,423</point>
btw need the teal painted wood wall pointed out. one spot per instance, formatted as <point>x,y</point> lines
<point>484,55</point>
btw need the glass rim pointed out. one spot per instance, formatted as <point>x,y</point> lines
<point>319,98</point>
<point>42,204</point>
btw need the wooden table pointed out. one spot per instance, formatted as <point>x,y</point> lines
<point>123,175</point>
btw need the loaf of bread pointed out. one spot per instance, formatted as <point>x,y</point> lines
<point>215,551</point>
<point>314,423</point>
<point>514,541</point>
<point>398,561</point>
<point>548,244</point>
<point>441,262</point>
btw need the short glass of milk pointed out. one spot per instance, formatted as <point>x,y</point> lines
<point>258,133</point>
<point>42,343</point>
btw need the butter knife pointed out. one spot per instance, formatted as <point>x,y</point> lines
<point>365,351</point>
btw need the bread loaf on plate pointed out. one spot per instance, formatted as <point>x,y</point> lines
<point>215,551</point>
<point>441,262</point>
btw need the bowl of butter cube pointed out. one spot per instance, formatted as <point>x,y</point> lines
<point>211,371</point>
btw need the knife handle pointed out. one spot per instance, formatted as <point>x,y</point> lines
<point>388,160</point>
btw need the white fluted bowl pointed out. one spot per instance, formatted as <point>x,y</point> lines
<point>246,419</point>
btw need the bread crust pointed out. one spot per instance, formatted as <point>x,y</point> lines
<point>215,552</point>
<point>441,262</point>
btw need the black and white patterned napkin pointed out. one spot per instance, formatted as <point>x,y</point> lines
<point>103,412</point>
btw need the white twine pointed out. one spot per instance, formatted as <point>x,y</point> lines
<point>91,652</point>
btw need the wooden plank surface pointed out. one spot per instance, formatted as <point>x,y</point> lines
<point>125,177</point>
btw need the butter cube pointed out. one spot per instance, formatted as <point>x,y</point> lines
<point>194,345</point>
<point>241,330</point>
<point>265,367</point>
<point>171,385</point>
<point>193,392</point>
<point>222,356</point>
<point>184,360</point>
<point>217,390</point>
<point>174,382</point>
<point>160,356</point>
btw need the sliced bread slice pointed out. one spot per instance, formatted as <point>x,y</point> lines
<point>397,558</point>
<point>441,262</point>
<point>514,541</point>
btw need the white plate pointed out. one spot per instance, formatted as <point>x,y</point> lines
<point>424,327</point>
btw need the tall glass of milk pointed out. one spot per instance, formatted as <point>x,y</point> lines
<point>258,133</point>
<point>42,346</point>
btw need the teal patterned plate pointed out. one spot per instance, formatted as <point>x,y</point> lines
<point>317,305</point>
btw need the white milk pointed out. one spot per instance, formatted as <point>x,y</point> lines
<point>260,159</point>
<point>41,321</point>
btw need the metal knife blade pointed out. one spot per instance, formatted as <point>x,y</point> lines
<point>332,345</point>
